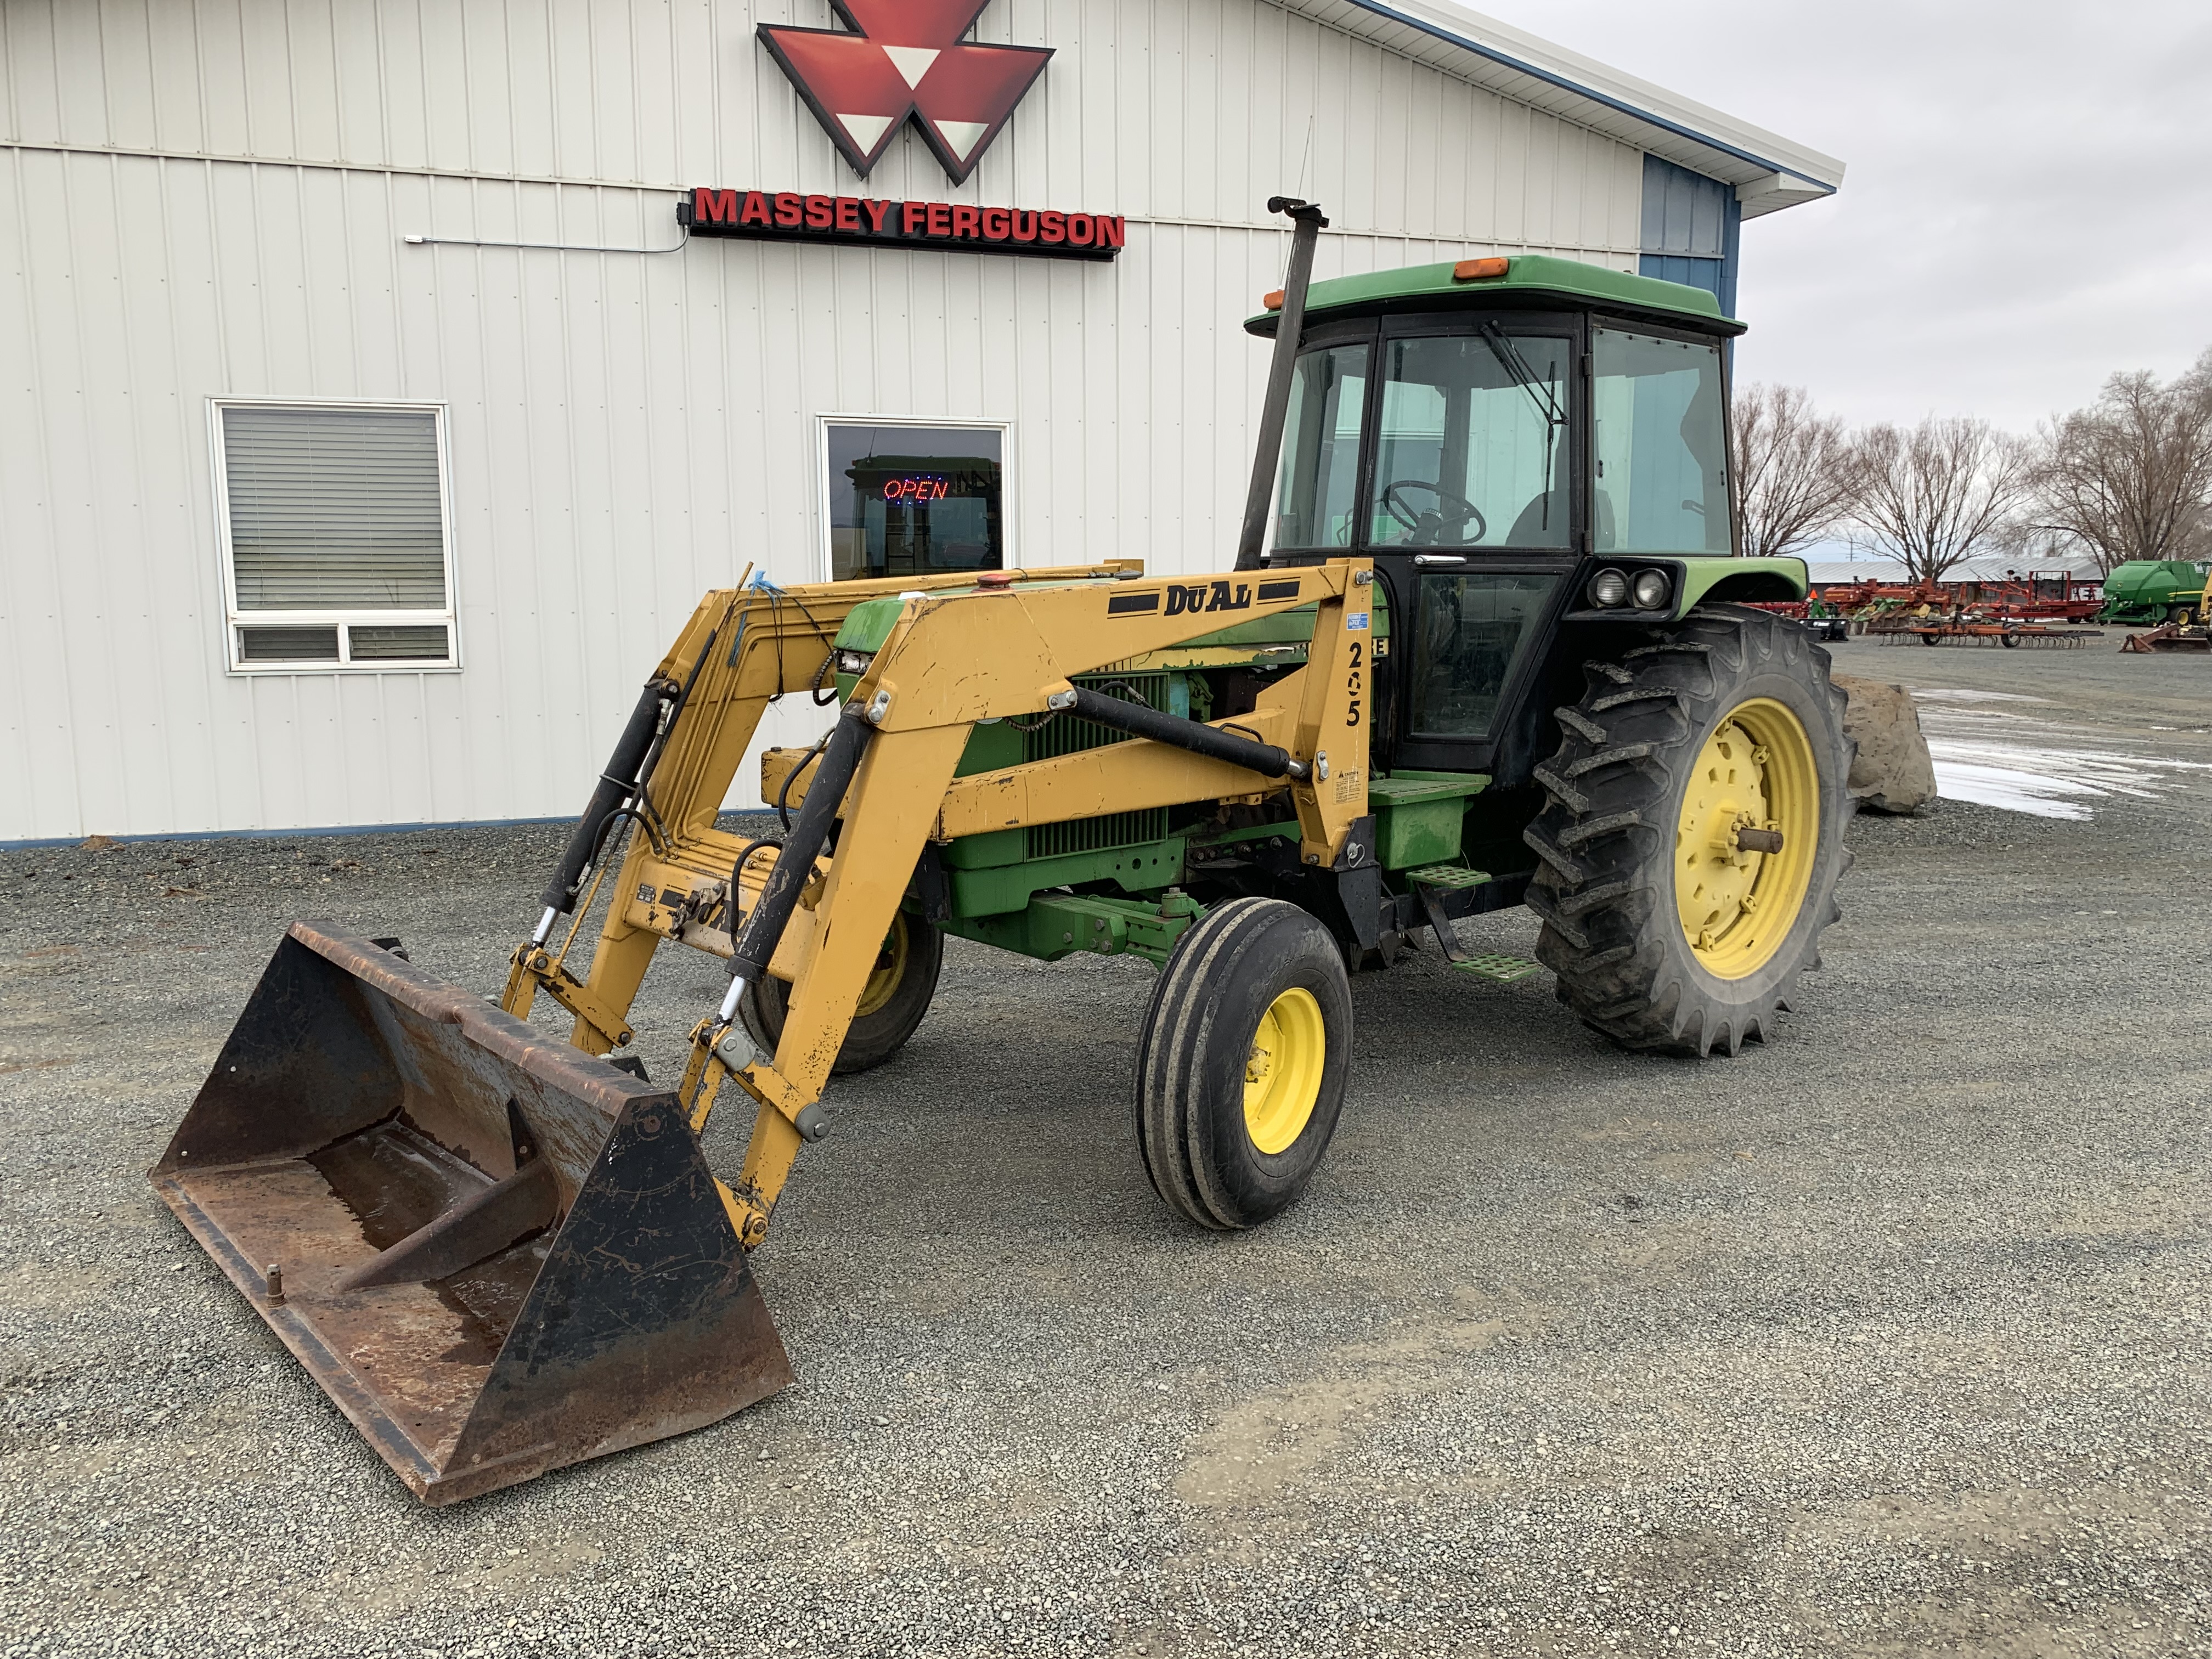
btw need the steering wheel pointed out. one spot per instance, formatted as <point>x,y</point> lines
<point>1455,512</point>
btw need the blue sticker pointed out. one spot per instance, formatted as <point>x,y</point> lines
<point>1356,623</point>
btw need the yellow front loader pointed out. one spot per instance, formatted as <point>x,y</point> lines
<point>1499,682</point>
<point>405,1180</point>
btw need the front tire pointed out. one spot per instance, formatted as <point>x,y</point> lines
<point>897,996</point>
<point>1666,931</point>
<point>1242,1066</point>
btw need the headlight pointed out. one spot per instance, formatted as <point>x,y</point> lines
<point>854,662</point>
<point>1650,589</point>
<point>1608,589</point>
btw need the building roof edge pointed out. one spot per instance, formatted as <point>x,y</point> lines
<point>1770,171</point>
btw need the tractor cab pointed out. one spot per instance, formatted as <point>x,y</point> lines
<point>1519,444</point>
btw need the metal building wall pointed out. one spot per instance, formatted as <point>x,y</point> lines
<point>208,199</point>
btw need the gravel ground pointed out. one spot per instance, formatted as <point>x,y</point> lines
<point>1887,1337</point>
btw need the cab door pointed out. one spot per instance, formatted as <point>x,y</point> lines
<point>1474,518</point>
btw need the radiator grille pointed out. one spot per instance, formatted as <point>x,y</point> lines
<point>1098,834</point>
<point>1069,736</point>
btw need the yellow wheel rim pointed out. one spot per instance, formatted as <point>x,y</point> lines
<point>1282,1073</point>
<point>890,969</point>
<point>1755,772</point>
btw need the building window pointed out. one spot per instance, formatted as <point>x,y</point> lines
<point>336,549</point>
<point>906,499</point>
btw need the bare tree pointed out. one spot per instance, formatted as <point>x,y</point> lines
<point>1791,476</point>
<point>2130,476</point>
<point>1932,494</point>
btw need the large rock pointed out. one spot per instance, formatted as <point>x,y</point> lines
<point>1892,773</point>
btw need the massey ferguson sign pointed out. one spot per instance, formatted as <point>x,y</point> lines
<point>862,221</point>
<point>906,57</point>
<point>905,60</point>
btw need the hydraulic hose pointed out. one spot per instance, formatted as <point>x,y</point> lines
<point>783,795</point>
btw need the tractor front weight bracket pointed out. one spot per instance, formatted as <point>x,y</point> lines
<point>1056,925</point>
<point>1112,927</point>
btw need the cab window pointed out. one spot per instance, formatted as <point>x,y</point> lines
<point>1661,481</point>
<point>1317,488</point>
<point>1472,450</point>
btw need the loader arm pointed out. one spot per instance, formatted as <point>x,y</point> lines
<point>953,653</point>
<point>758,643</point>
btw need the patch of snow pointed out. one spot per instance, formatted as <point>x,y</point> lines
<point>2022,765</point>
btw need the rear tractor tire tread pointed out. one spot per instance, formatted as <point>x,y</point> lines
<point>1604,882</point>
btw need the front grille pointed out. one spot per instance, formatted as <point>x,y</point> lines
<point>1070,736</point>
<point>1098,834</point>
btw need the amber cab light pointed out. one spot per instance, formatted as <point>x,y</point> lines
<point>1273,302</point>
<point>1468,270</point>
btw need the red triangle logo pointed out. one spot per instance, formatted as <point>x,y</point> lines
<point>906,59</point>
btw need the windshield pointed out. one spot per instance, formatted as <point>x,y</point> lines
<point>1661,476</point>
<point>1472,450</point>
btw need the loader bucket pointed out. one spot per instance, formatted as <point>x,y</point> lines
<point>496,1254</point>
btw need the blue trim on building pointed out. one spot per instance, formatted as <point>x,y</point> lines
<point>1680,268</point>
<point>1692,230</point>
<point>1552,78</point>
<point>1731,258</point>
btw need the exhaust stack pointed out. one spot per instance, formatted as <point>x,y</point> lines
<point>1307,222</point>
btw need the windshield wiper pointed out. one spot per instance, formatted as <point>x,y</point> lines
<point>1539,393</point>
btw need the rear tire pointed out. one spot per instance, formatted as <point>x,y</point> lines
<point>1242,1066</point>
<point>1727,722</point>
<point>892,1004</point>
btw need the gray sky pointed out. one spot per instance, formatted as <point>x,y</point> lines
<point>2029,200</point>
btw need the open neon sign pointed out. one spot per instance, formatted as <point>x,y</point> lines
<point>914,489</point>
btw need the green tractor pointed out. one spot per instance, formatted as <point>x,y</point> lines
<point>1534,451</point>
<point>2143,592</point>
<point>1575,705</point>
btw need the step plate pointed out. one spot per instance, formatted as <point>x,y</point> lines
<point>1447,875</point>
<point>1503,969</point>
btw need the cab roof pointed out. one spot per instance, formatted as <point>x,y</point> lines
<point>1529,279</point>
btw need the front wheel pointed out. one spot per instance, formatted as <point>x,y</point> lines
<point>892,1002</point>
<point>1693,833</point>
<point>1241,1069</point>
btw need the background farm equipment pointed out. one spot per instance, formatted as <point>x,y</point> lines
<point>2169,636</point>
<point>1821,619</point>
<point>1975,631</point>
<point>2144,593</point>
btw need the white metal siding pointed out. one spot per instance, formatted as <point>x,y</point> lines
<point>625,431</point>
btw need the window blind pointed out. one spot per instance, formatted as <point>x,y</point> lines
<point>335,509</point>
